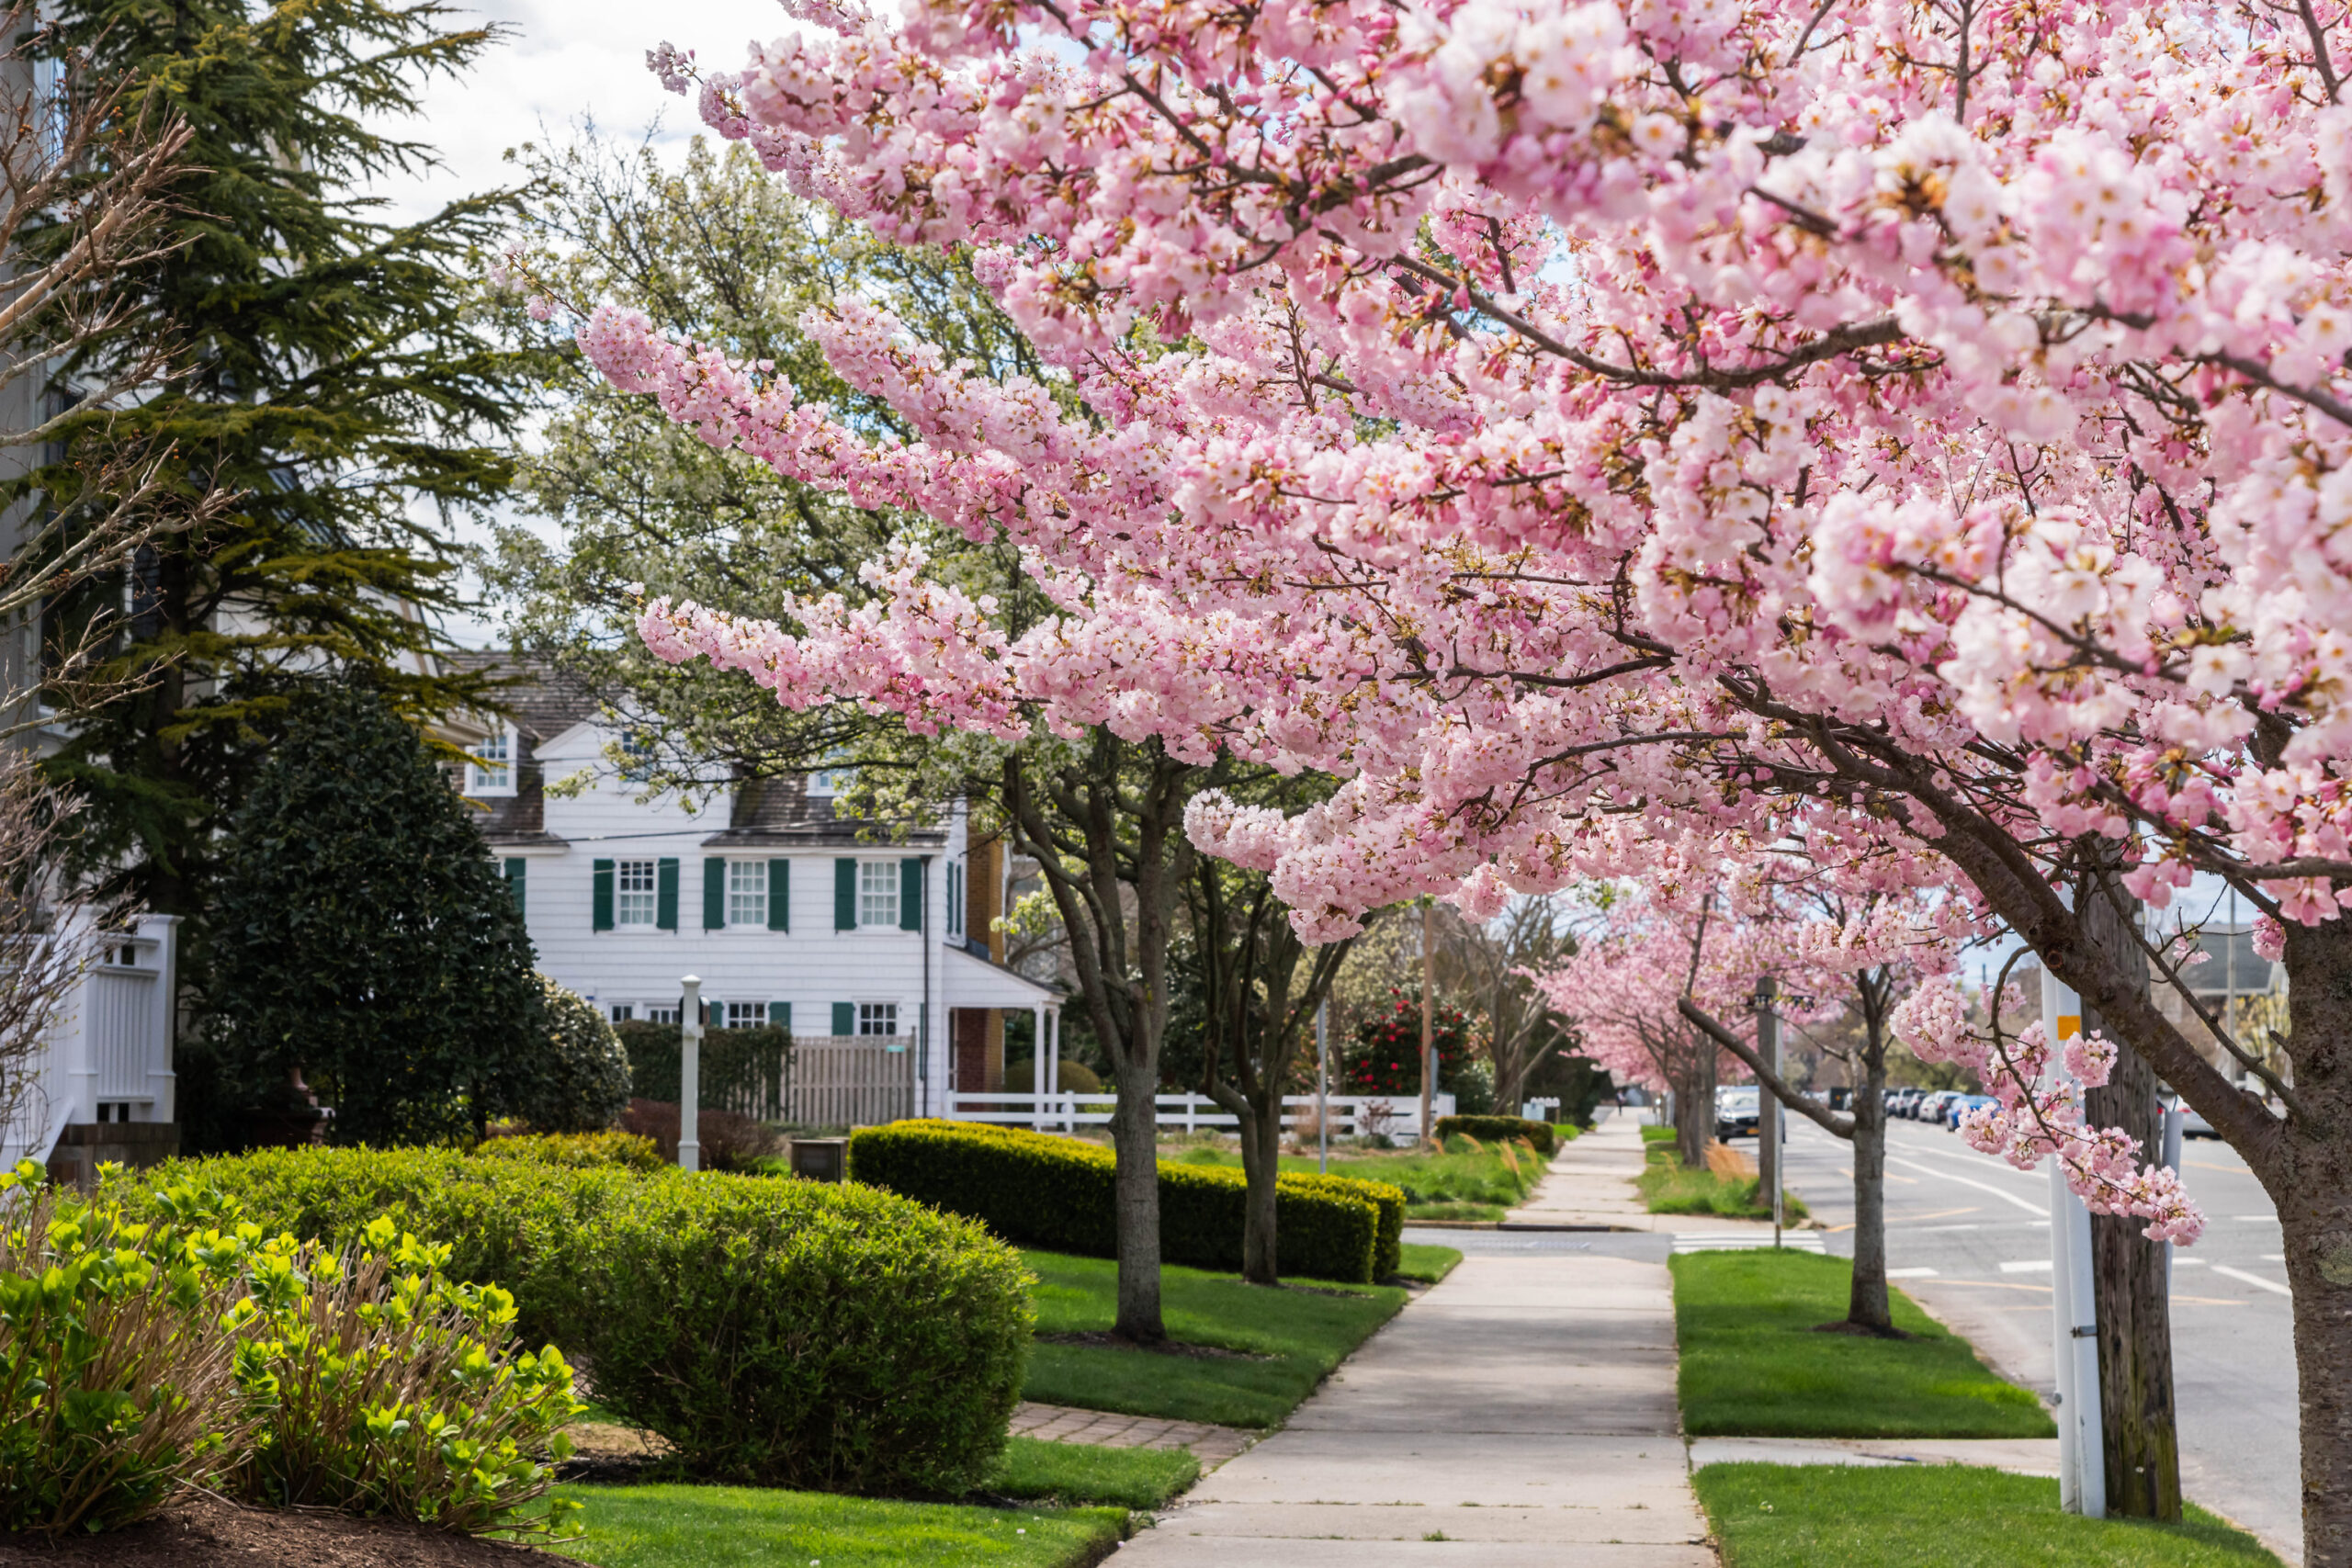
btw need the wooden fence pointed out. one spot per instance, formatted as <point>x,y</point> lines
<point>838,1080</point>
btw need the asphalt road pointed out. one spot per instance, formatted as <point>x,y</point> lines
<point>1969,1237</point>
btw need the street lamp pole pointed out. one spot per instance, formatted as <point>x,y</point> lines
<point>2074,1318</point>
<point>1323,1086</point>
<point>1429,1028</point>
<point>1767,1105</point>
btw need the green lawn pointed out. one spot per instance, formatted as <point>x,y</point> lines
<point>744,1527</point>
<point>1472,1180</point>
<point>1290,1339</point>
<point>1087,1472</point>
<point>1671,1187</point>
<point>1752,1365</point>
<point>1425,1264</point>
<point>1772,1515</point>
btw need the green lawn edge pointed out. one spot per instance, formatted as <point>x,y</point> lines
<point>1774,1516</point>
<point>678,1526</point>
<point>1083,1474</point>
<point>1426,1264</point>
<point>1753,1366</point>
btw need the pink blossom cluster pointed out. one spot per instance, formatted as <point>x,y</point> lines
<point>2039,1112</point>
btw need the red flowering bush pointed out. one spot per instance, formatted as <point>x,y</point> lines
<point>1385,1058</point>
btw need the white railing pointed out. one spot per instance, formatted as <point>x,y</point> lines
<point>108,1053</point>
<point>1352,1116</point>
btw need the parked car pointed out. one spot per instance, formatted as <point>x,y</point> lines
<point>1931,1107</point>
<point>2192,1121</point>
<point>1902,1101</point>
<point>1736,1110</point>
<point>1961,1105</point>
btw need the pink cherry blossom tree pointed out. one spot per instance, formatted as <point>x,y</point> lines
<point>1546,415</point>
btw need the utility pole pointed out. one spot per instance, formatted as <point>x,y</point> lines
<point>1429,1028</point>
<point>1767,1105</point>
<point>1323,1086</point>
<point>690,1074</point>
<point>2074,1320</point>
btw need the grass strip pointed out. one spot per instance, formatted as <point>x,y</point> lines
<point>746,1527</point>
<point>1089,1473</point>
<point>1754,1365</point>
<point>1670,1187</point>
<point>1471,1170</point>
<point>1282,1341</point>
<point>1425,1264</point>
<point>1941,1516</point>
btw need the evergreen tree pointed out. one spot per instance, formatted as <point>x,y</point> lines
<point>363,935</point>
<point>337,383</point>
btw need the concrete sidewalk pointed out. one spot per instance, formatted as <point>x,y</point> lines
<point>1591,1184</point>
<point>1523,1409</point>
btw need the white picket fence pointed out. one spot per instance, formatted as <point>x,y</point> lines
<point>1352,1116</point>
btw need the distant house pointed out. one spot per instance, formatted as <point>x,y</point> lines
<point>788,913</point>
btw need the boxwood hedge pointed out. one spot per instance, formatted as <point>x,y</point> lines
<point>778,1333</point>
<point>1038,1191</point>
<point>1540,1135</point>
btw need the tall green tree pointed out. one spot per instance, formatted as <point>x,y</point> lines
<point>335,380</point>
<point>365,938</point>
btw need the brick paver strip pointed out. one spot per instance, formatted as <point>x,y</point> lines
<point>1060,1423</point>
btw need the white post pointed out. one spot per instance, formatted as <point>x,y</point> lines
<point>690,1074</point>
<point>1054,1062</point>
<point>2074,1317</point>
<point>162,1077</point>
<point>1038,1069</point>
<point>2172,1114</point>
<point>1323,1086</point>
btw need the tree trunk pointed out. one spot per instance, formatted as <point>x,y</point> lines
<point>2129,1277</point>
<point>1695,1112</point>
<point>1135,1135</point>
<point>1261,1163</point>
<point>2313,1196</point>
<point>1866,1303</point>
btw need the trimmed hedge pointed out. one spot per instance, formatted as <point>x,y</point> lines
<point>1540,1134</point>
<point>1039,1191</point>
<point>778,1333</point>
<point>1389,1201</point>
<point>742,1070</point>
<point>583,1150</point>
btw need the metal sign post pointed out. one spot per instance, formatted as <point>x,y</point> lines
<point>1768,1104</point>
<point>1323,1086</point>
<point>2074,1317</point>
<point>690,1074</point>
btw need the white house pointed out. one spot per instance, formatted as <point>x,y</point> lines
<point>787,913</point>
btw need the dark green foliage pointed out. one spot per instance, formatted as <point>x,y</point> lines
<point>363,934</point>
<point>581,1150</point>
<point>1386,1199</point>
<point>1384,1056</point>
<point>785,1332</point>
<point>337,384</point>
<point>743,1071</point>
<point>1037,1190</point>
<point>581,1082</point>
<point>1488,1129</point>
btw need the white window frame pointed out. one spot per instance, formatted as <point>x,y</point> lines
<point>664,1013</point>
<point>747,895</point>
<point>498,750</point>
<point>877,895</point>
<point>621,1012</point>
<point>827,782</point>
<point>757,1012</point>
<point>636,907</point>
<point>955,895</point>
<point>872,1014</point>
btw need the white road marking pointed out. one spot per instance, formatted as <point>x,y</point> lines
<point>2026,1266</point>
<point>2256,1280</point>
<point>1910,1274</point>
<point>1980,1185</point>
<point>2180,1262</point>
<point>2255,1219</point>
<point>2274,1258</point>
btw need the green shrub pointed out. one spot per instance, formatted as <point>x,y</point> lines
<point>1489,1129</point>
<point>1389,1201</point>
<point>742,1070</point>
<point>1038,1191</point>
<point>582,1083</point>
<point>379,1386</point>
<point>633,1151</point>
<point>777,1332</point>
<point>1073,1078</point>
<point>114,1370</point>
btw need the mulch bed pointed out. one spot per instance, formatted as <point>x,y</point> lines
<point>204,1532</point>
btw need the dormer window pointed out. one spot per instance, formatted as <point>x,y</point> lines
<point>491,769</point>
<point>827,782</point>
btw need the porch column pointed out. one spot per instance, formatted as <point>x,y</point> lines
<point>1054,1061</point>
<point>1037,1080</point>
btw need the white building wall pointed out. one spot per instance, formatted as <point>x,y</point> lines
<point>812,966</point>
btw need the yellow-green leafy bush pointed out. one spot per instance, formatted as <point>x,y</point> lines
<point>633,1150</point>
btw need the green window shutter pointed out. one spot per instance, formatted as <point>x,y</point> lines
<point>911,895</point>
<point>780,1014</point>
<point>665,896</point>
<point>845,895</point>
<point>514,870</point>
<point>714,893</point>
<point>844,1018</point>
<point>780,903</point>
<point>603,920</point>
